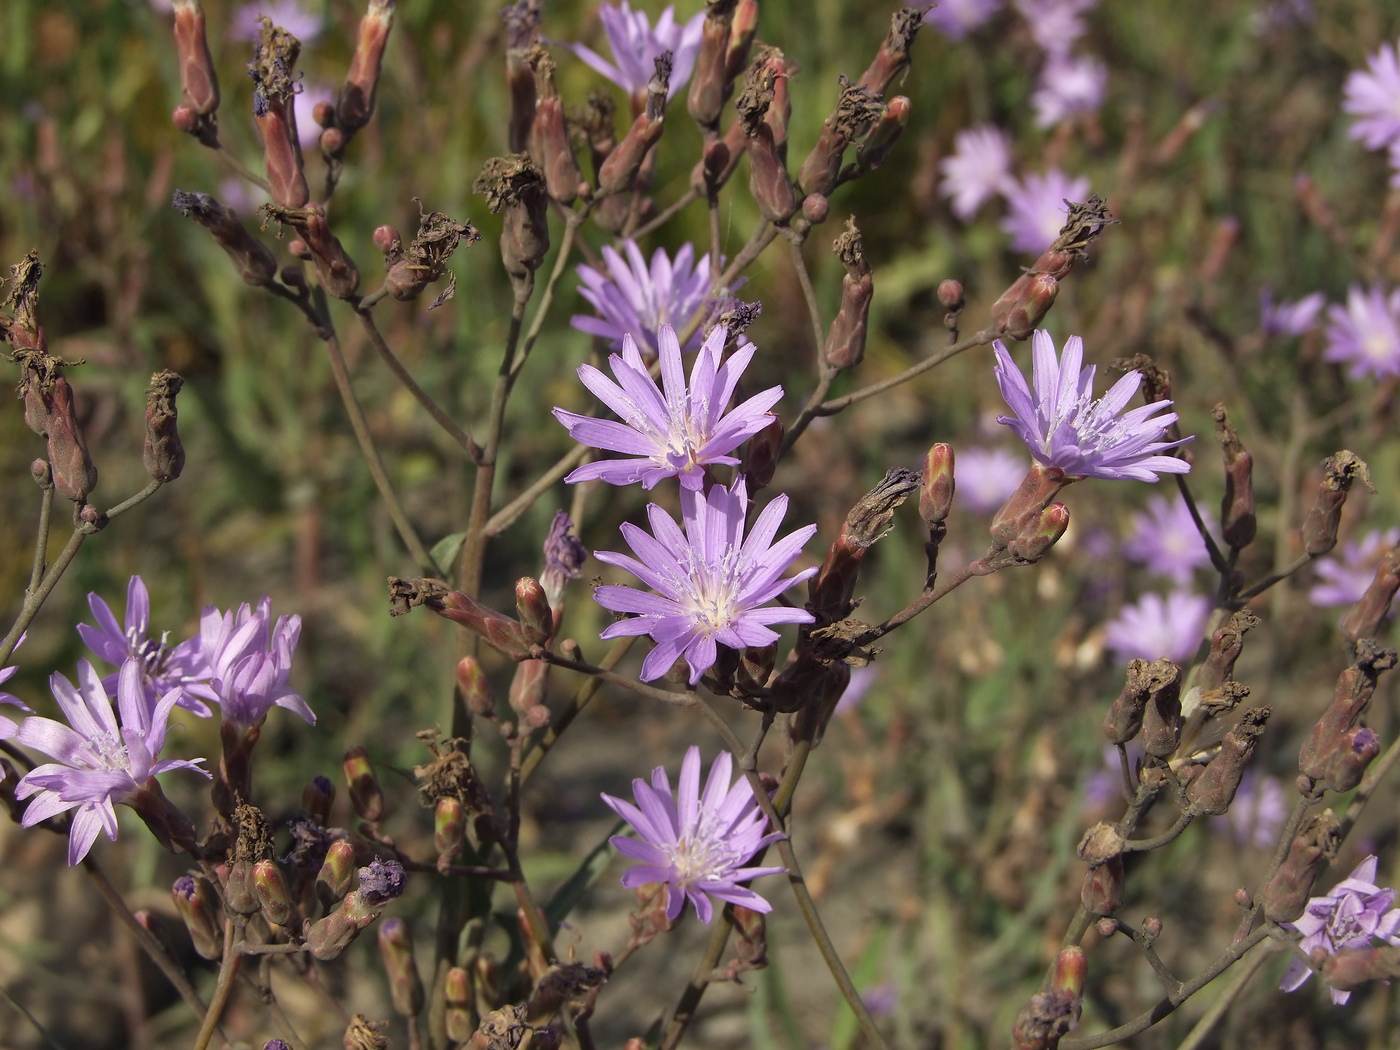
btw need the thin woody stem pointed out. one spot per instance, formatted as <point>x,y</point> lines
<point>512,511</point>
<point>668,213</point>
<point>228,970</point>
<point>835,405</point>
<point>41,539</point>
<point>809,294</point>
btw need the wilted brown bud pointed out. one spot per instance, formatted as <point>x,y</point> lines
<point>1212,790</point>
<point>365,793</point>
<point>513,185</point>
<point>396,951</point>
<point>1331,748</point>
<point>884,135</point>
<point>845,340</point>
<point>830,590</point>
<point>856,111</point>
<point>522,24</point>
<point>769,183</point>
<point>1102,891</point>
<point>936,486</point>
<point>354,105</point>
<point>254,262</point>
<point>1320,526</point>
<point>199,84</point>
<point>1161,719</point>
<point>1367,616</point>
<point>425,260</point>
<point>893,57</point>
<point>1124,717</point>
<point>618,173</point>
<point>1226,644</point>
<point>273,70</point>
<point>162,454</point>
<point>1237,518</point>
<point>710,83</point>
<point>1351,968</point>
<point>1286,894</point>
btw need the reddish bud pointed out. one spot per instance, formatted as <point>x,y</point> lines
<point>387,240</point>
<point>1023,508</point>
<point>1366,618</point>
<point>815,208</point>
<point>396,951</point>
<point>199,84</point>
<point>1212,790</point>
<point>475,686</point>
<point>459,1016</point>
<point>1036,540</point>
<point>355,103</point>
<point>710,83</point>
<point>337,870</point>
<point>1325,515</point>
<point>335,270</point>
<point>885,134</point>
<point>1124,717</point>
<point>893,57</point>
<point>536,619</point>
<point>274,897</point>
<point>1226,644</point>
<point>1286,894</point>
<point>950,294</point>
<point>936,486</point>
<point>761,455</point>
<point>449,827</point>
<point>741,34</point>
<point>365,794</point>
<point>323,113</point>
<point>1161,718</point>
<point>200,910</point>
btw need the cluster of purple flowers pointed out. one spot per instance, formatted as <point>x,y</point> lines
<point>636,44</point>
<point>634,300</point>
<point>1355,914</point>
<point>105,754</point>
<point>1344,575</point>
<point>1372,96</point>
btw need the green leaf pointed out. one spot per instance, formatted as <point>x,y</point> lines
<point>445,550</point>
<point>568,895</point>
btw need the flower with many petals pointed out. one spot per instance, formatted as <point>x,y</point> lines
<point>675,431</point>
<point>1069,85</point>
<point>1036,208</point>
<point>1354,914</point>
<point>163,667</point>
<point>1064,427</point>
<point>710,581</point>
<point>100,763</point>
<point>1343,580</point>
<point>636,299</point>
<point>1157,627</point>
<point>250,660</point>
<point>636,45</point>
<point>695,844</point>
<point>978,170</point>
<point>956,18</point>
<point>1366,333</point>
<point>1288,318</point>
<point>1164,537</point>
<point>1372,96</point>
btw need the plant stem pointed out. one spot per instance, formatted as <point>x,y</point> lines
<point>512,511</point>
<point>41,540</point>
<point>830,408</point>
<point>668,213</point>
<point>804,280</point>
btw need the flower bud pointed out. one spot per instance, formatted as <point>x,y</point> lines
<point>475,687</point>
<point>273,71</point>
<point>1350,968</point>
<point>1161,719</point>
<point>42,474</point>
<point>514,185</point>
<point>551,145</point>
<point>1237,518</point>
<point>765,130</point>
<point>527,689</point>
<point>365,793</point>
<point>460,1017</point>
<point>449,827</point>
<point>856,111</point>
<point>317,798</point>
<point>1023,508</point>
<point>335,270</point>
<point>536,619</point>
<point>1124,717</point>
<point>162,454</point>
<point>618,173</point>
<point>1286,894</point>
<point>199,84</point>
<point>741,34</point>
<point>950,294</point>
<point>884,135</point>
<point>1350,758</point>
<point>1102,891</point>
<point>396,949</point>
<point>387,240</point>
<point>710,83</point>
<point>1212,790</point>
<point>936,485</point>
<point>274,898</point>
<point>1030,307</point>
<point>354,105</point>
<point>502,633</point>
<point>1320,526</point>
<point>425,259</point>
<point>1035,540</point>
<point>522,22</point>
<point>845,341</point>
<point>1366,618</point>
<point>239,893</point>
<point>893,57</point>
<point>761,456</point>
<point>333,880</point>
<point>199,908</point>
<point>719,159</point>
<point>1331,749</point>
<point>830,590</point>
<point>251,258</point>
<point>1226,644</point>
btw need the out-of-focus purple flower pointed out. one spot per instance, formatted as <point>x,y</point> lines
<point>956,18</point>
<point>1372,96</point>
<point>862,678</point>
<point>308,131</point>
<point>1258,813</point>
<point>250,660</point>
<point>880,999</point>
<point>986,477</point>
<point>288,14</point>
<point>243,197</point>
<point>99,762</point>
<point>1343,580</point>
<point>1105,785</point>
<point>1394,156</point>
<point>1164,537</point>
<point>1069,85</point>
<point>1036,209</point>
<point>1352,915</point>
<point>635,299</point>
<point>695,843</point>
<point>636,46</point>
<point>711,581</point>
<point>163,667</point>
<point>163,5</point>
<point>1281,15</point>
<point>675,431</point>
<point>1055,24</point>
<point>1365,333</point>
<point>1288,318</point>
<point>1065,427</point>
<point>1158,627</point>
<point>979,168</point>
<point>8,726</point>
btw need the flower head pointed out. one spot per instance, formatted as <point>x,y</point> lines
<point>675,431</point>
<point>1366,333</point>
<point>99,762</point>
<point>308,131</point>
<point>1069,85</point>
<point>1372,96</point>
<point>250,660</point>
<point>637,299</point>
<point>163,667</point>
<point>1055,24</point>
<point>1065,427</point>
<point>710,581</point>
<point>695,843</point>
<point>1352,915</point>
<point>979,168</point>
<point>1343,580</point>
<point>288,14</point>
<point>1036,209</point>
<point>1164,537</point>
<point>956,18</point>
<point>1157,627</point>
<point>1288,318</point>
<point>636,45</point>
<point>986,477</point>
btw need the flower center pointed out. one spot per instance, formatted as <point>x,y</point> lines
<point>700,856</point>
<point>152,654</point>
<point>1378,346</point>
<point>709,590</point>
<point>106,751</point>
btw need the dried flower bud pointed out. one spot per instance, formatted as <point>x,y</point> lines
<point>830,591</point>
<point>1286,894</point>
<point>522,24</point>
<point>273,70</point>
<point>1320,526</point>
<point>1124,717</point>
<point>936,485</point>
<point>618,173</point>
<point>251,258</point>
<point>274,897</point>
<point>1213,789</point>
<point>460,1017</point>
<point>1366,618</point>
<point>163,455</point>
<point>536,619</point>
<point>199,908</point>
<point>551,145</point>
<point>1054,1011</point>
<point>396,950</point>
<point>335,270</point>
<point>884,135</point>
<point>354,105</point>
<point>1237,518</point>
<point>1331,740</point>
<point>199,84</point>
<point>317,798</point>
<point>74,475</point>
<point>1161,719</point>
<point>769,183</point>
<point>710,82</point>
<point>365,794</point>
<point>514,185</point>
<point>719,160</point>
<point>1226,644</point>
<point>856,111</point>
<point>893,57</point>
<point>845,341</point>
<point>425,259</point>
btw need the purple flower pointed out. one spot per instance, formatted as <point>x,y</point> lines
<point>636,46</point>
<point>1343,580</point>
<point>1372,96</point>
<point>1064,427</point>
<point>288,14</point>
<point>250,660</point>
<point>163,667</point>
<point>1258,813</point>
<point>986,477</point>
<point>862,678</point>
<point>1283,15</point>
<point>956,18</point>
<point>1069,85</point>
<point>8,726</point>
<point>696,844</point>
<point>1288,318</point>
<point>1164,537</point>
<point>1055,24</point>
<point>675,431</point>
<point>1353,914</point>
<point>99,763</point>
<point>979,168</point>
<point>711,580</point>
<point>1158,627</point>
<point>1036,209</point>
<point>1366,333</point>
<point>381,881</point>
<point>636,300</point>
<point>308,131</point>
